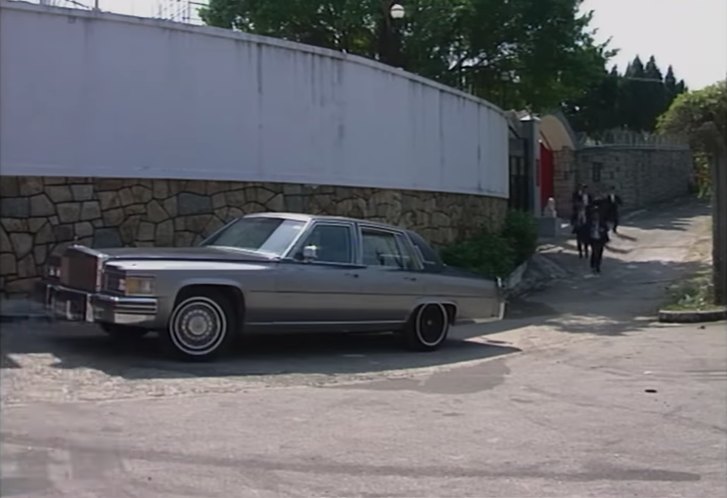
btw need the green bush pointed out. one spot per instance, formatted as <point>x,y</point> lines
<point>522,233</point>
<point>495,254</point>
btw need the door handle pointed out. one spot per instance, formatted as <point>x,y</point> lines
<point>411,279</point>
<point>349,274</point>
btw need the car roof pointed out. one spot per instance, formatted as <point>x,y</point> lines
<point>321,217</point>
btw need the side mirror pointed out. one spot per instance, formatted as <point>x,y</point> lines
<point>310,253</point>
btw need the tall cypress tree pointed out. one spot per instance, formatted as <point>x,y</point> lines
<point>633,94</point>
<point>656,102</point>
<point>670,84</point>
<point>633,100</point>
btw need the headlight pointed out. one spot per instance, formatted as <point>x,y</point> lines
<point>137,286</point>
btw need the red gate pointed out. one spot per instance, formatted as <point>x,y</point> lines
<point>547,172</point>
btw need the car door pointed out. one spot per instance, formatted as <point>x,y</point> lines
<point>474,296</point>
<point>323,291</point>
<point>390,281</point>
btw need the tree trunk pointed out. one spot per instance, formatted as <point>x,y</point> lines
<point>719,225</point>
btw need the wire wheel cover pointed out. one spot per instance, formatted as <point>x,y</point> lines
<point>198,326</point>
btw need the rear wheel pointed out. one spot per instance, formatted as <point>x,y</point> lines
<point>427,328</point>
<point>201,327</point>
<point>124,332</point>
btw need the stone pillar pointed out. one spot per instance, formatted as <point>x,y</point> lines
<point>531,133</point>
<point>564,180</point>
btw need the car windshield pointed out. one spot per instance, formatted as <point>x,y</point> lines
<point>258,234</point>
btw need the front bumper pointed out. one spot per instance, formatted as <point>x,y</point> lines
<point>76,305</point>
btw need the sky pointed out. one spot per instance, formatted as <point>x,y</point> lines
<point>691,35</point>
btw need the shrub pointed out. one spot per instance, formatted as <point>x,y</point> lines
<point>486,253</point>
<point>495,254</point>
<point>522,233</point>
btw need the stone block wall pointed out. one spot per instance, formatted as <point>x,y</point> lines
<point>642,175</point>
<point>41,215</point>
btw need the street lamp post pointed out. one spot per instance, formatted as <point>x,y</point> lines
<point>390,39</point>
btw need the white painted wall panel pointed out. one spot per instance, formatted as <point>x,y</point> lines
<point>89,94</point>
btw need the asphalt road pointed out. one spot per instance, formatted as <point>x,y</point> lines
<point>577,393</point>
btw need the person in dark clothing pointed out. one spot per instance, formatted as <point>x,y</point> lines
<point>580,200</point>
<point>580,229</point>
<point>612,205</point>
<point>598,238</point>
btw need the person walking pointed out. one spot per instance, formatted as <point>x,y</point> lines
<point>580,229</point>
<point>581,200</point>
<point>613,203</point>
<point>598,238</point>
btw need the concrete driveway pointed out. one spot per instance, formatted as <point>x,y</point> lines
<point>577,393</point>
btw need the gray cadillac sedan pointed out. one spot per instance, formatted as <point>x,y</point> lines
<point>270,272</point>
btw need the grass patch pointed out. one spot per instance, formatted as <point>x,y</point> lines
<point>692,294</point>
<point>696,292</point>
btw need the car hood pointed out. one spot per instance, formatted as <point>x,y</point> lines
<point>199,253</point>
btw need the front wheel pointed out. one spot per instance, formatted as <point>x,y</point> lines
<point>201,326</point>
<point>427,328</point>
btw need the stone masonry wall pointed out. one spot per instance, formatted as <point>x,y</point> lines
<point>642,176</point>
<point>39,216</point>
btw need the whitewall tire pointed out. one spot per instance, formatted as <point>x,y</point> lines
<point>200,327</point>
<point>428,327</point>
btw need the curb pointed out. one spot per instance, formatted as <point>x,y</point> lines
<point>24,317</point>
<point>515,278</point>
<point>667,316</point>
<point>19,310</point>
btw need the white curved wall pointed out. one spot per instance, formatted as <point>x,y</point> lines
<point>87,94</point>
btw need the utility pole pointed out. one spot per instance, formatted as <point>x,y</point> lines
<point>719,223</point>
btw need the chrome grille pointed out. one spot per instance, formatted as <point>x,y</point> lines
<point>79,269</point>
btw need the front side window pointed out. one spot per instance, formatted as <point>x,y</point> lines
<point>382,249</point>
<point>258,234</point>
<point>333,243</point>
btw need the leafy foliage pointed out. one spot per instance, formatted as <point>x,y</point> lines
<point>702,117</point>
<point>699,115</point>
<point>633,100</point>
<point>495,254</point>
<point>518,53</point>
<point>487,253</point>
<point>521,233</point>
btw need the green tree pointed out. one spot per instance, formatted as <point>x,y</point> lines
<point>518,53</point>
<point>635,94</point>
<point>633,100</point>
<point>655,102</point>
<point>702,117</point>
<point>598,110</point>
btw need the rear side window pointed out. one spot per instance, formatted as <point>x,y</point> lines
<point>430,258</point>
<point>381,249</point>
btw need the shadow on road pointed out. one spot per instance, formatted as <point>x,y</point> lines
<point>85,346</point>
<point>676,214</point>
<point>638,266</point>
